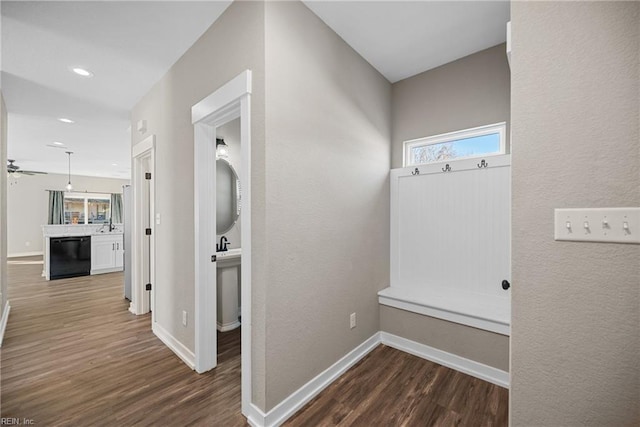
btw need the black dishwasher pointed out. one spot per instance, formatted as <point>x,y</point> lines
<point>69,257</point>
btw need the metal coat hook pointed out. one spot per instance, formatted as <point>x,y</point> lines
<point>446,168</point>
<point>415,172</point>
<point>483,164</point>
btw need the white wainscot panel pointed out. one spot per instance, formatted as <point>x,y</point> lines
<point>450,238</point>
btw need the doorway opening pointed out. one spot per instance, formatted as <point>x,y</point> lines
<point>211,117</point>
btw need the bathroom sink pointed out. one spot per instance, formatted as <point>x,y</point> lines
<point>228,258</point>
<point>231,253</point>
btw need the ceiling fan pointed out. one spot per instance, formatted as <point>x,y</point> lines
<point>15,169</point>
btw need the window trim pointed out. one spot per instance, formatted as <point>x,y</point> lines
<point>499,128</point>
<point>86,196</point>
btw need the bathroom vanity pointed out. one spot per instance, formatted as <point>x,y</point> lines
<point>228,287</point>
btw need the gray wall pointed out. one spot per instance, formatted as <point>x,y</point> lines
<point>469,92</point>
<point>575,118</point>
<point>475,344</point>
<point>327,138</point>
<point>234,43</point>
<point>28,205</point>
<point>466,93</point>
<point>320,242</point>
<point>3,206</point>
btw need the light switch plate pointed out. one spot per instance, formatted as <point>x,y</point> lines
<point>615,225</point>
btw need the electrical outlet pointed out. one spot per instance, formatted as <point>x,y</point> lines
<point>352,320</point>
<point>184,318</point>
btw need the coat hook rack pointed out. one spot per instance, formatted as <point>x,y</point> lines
<point>416,172</point>
<point>483,164</point>
<point>446,168</point>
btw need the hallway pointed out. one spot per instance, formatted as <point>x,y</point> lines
<point>73,355</point>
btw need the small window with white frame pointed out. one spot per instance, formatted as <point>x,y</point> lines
<point>481,141</point>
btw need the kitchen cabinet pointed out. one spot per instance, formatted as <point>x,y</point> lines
<point>107,253</point>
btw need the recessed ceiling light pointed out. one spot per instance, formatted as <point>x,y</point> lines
<point>57,143</point>
<point>65,120</point>
<point>114,164</point>
<point>82,72</point>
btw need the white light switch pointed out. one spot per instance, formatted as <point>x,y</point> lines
<point>617,225</point>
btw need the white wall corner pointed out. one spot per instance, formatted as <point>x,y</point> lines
<point>255,416</point>
<point>304,394</point>
<point>450,360</point>
<point>176,346</point>
<point>5,319</point>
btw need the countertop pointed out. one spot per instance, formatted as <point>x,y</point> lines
<point>65,230</point>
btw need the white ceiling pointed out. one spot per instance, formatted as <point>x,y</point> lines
<point>129,46</point>
<point>404,38</point>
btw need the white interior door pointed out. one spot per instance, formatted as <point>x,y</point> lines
<point>142,243</point>
<point>205,237</point>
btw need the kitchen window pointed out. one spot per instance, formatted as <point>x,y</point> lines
<point>464,144</point>
<point>87,208</point>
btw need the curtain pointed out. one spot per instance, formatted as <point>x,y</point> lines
<point>116,208</point>
<point>56,207</point>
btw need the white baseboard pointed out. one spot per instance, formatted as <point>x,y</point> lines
<point>176,346</point>
<point>22,254</point>
<point>467,366</point>
<point>255,417</point>
<point>227,326</point>
<point>5,319</point>
<point>304,394</point>
<point>106,270</point>
<point>132,310</point>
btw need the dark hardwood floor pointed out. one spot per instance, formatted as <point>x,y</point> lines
<point>74,356</point>
<point>389,387</point>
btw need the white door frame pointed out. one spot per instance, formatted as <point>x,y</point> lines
<point>230,101</point>
<point>145,149</point>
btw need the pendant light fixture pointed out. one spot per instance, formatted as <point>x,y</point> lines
<point>222,149</point>
<point>69,186</point>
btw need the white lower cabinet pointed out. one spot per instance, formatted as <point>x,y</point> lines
<point>107,253</point>
<point>119,254</point>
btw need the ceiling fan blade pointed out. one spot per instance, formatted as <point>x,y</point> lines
<point>12,168</point>
<point>30,172</point>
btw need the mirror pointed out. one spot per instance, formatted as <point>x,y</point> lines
<point>227,196</point>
